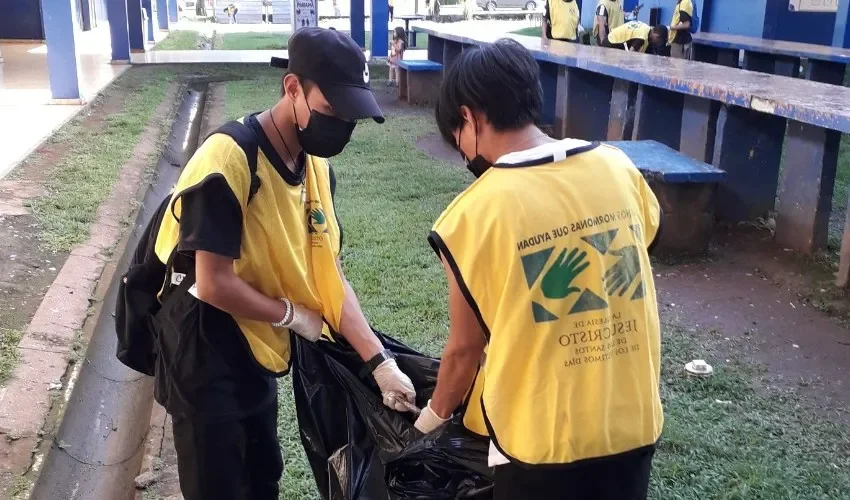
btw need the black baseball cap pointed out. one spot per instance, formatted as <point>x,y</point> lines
<point>333,61</point>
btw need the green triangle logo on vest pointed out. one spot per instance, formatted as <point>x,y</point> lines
<point>534,263</point>
<point>588,301</point>
<point>639,292</point>
<point>541,315</point>
<point>601,241</point>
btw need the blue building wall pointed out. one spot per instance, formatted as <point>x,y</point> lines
<point>737,17</point>
<point>805,27</point>
<point>21,20</point>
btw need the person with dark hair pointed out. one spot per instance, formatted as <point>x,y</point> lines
<point>259,241</point>
<point>397,48</point>
<point>562,20</point>
<point>554,344</point>
<point>637,36</point>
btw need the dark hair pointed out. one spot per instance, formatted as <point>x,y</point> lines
<point>662,33</point>
<point>399,34</point>
<point>500,79</point>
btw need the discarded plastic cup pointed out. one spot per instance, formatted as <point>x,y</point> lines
<point>698,368</point>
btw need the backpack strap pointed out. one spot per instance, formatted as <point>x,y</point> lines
<point>247,141</point>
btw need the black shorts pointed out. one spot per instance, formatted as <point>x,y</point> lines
<point>624,477</point>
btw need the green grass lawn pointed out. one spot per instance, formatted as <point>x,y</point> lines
<point>278,41</point>
<point>180,40</point>
<point>729,437</point>
<point>9,354</point>
<point>530,31</point>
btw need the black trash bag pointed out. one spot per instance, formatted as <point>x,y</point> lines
<point>359,449</point>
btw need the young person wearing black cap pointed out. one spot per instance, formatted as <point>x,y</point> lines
<point>263,253</point>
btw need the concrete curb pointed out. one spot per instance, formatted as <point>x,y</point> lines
<point>27,398</point>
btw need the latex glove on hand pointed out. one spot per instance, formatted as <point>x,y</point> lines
<point>306,323</point>
<point>395,386</point>
<point>428,420</point>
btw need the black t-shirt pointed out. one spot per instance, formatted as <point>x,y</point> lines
<point>215,376</point>
<point>684,37</point>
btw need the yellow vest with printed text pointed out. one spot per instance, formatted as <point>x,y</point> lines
<point>553,255</point>
<point>290,239</point>
<point>683,6</point>
<point>565,18</point>
<point>631,31</point>
<point>616,16</point>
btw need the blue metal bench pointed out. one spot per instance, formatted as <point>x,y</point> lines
<point>419,81</point>
<point>824,64</point>
<point>686,190</point>
<point>739,121</point>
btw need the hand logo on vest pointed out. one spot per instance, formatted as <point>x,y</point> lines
<point>556,283</point>
<point>620,276</point>
<point>317,222</point>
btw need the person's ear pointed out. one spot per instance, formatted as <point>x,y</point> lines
<point>291,86</point>
<point>466,114</point>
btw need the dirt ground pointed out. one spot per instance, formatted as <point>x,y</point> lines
<point>778,309</point>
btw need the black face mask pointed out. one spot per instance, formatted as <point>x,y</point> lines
<point>477,165</point>
<point>324,136</point>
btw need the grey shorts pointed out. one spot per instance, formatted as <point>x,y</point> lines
<point>680,51</point>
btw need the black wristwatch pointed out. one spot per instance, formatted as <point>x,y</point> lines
<point>376,361</point>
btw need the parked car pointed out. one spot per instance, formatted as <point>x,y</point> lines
<point>491,5</point>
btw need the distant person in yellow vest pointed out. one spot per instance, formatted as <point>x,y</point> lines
<point>554,337</point>
<point>681,46</point>
<point>264,267</point>
<point>561,20</point>
<point>637,36</point>
<point>609,15</point>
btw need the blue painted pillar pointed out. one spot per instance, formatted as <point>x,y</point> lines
<point>146,5</point>
<point>841,35</point>
<point>358,22</point>
<point>380,28</point>
<point>162,14</point>
<point>116,14</point>
<point>63,63</point>
<point>134,24</point>
<point>172,11</point>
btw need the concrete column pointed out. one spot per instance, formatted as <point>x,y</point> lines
<point>63,62</point>
<point>380,28</point>
<point>173,13</point>
<point>358,22</point>
<point>147,5</point>
<point>162,14</point>
<point>116,12</point>
<point>134,23</point>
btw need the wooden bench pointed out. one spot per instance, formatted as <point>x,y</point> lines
<point>419,81</point>
<point>686,190</point>
<point>822,63</point>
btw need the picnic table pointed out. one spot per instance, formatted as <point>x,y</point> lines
<point>737,120</point>
<point>410,35</point>
<point>824,64</point>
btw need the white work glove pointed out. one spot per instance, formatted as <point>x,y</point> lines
<point>306,323</point>
<point>395,386</point>
<point>428,420</point>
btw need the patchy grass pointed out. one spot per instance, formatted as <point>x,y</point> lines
<point>726,437</point>
<point>9,354</point>
<point>180,40</point>
<point>84,177</point>
<point>279,41</point>
<point>530,31</point>
<point>252,41</point>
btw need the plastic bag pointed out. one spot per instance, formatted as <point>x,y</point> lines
<point>359,449</point>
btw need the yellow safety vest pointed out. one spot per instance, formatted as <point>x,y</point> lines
<point>631,31</point>
<point>565,18</point>
<point>289,243</point>
<point>559,274</point>
<point>616,16</point>
<point>683,6</point>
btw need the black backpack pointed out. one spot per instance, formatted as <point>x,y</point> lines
<point>138,302</point>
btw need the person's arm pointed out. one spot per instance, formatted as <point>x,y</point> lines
<point>547,21</point>
<point>602,22</point>
<point>462,355</point>
<point>353,325</point>
<point>635,44</point>
<point>684,22</point>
